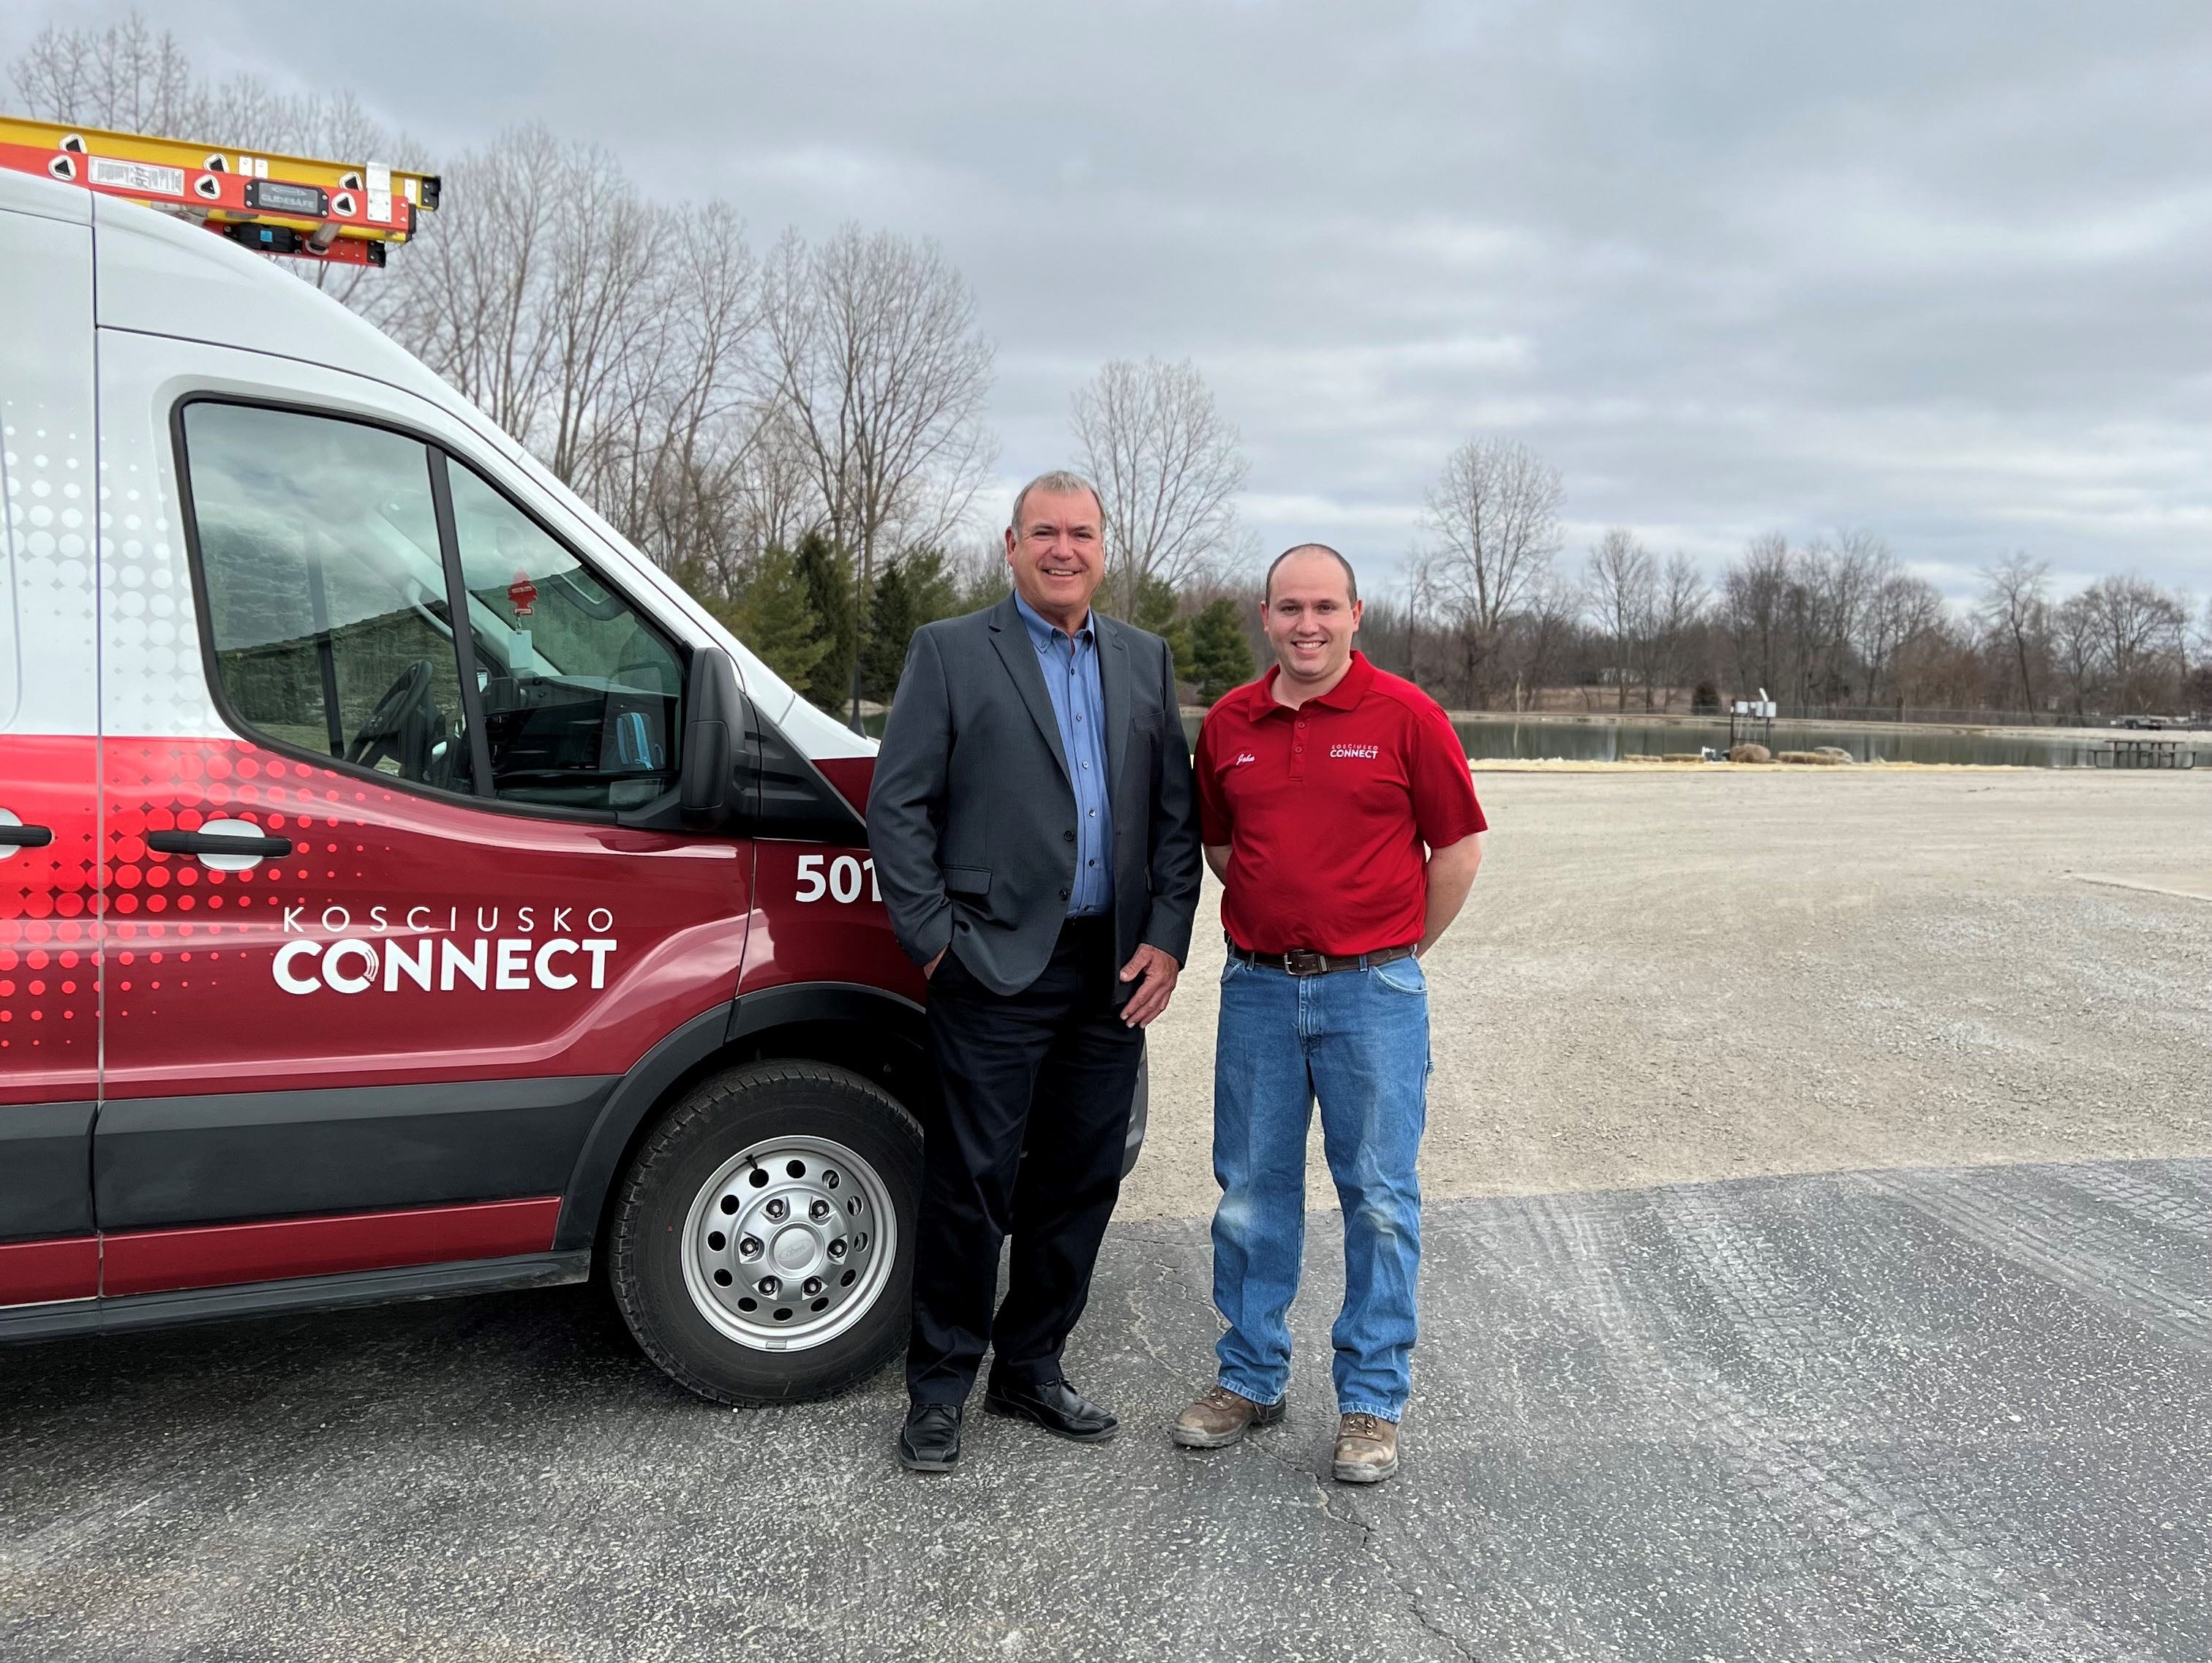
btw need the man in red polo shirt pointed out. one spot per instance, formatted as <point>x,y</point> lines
<point>1336,809</point>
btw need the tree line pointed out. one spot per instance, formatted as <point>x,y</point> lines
<point>1836,627</point>
<point>796,433</point>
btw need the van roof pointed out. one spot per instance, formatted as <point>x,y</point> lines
<point>26,193</point>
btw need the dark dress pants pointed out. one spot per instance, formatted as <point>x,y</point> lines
<point>1037,1089</point>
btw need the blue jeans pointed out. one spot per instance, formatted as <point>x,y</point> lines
<point>1358,1041</point>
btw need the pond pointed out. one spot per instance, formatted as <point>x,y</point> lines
<point>1611,741</point>
<point>1608,741</point>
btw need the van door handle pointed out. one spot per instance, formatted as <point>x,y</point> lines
<point>26,837</point>
<point>176,842</point>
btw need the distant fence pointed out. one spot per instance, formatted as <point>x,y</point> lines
<point>1816,712</point>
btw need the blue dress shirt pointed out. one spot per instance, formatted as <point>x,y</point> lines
<point>1071,677</point>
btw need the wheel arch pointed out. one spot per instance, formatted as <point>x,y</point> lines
<point>875,1034</point>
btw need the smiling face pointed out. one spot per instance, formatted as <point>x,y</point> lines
<point>1057,554</point>
<point>1310,617</point>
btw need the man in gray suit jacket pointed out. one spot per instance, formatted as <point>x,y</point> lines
<point>1036,838</point>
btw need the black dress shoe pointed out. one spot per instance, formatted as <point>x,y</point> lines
<point>931,1440</point>
<point>1056,1407</point>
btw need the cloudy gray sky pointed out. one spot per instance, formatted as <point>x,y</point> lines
<point>1940,270</point>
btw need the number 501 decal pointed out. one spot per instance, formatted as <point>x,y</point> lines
<point>842,881</point>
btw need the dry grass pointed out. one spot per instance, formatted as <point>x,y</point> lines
<point>1811,759</point>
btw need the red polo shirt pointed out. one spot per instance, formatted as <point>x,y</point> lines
<point>1326,809</point>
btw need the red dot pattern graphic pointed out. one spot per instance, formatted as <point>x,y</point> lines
<point>49,911</point>
<point>166,920</point>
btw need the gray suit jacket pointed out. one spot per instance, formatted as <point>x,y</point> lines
<point>971,817</point>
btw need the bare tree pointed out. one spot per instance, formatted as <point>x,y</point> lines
<point>2197,688</point>
<point>1495,512</point>
<point>1801,622</point>
<point>2077,643</point>
<point>1684,602</point>
<point>776,486</point>
<point>1755,611</point>
<point>2015,608</point>
<point>1899,617</point>
<point>126,77</point>
<point>123,76</point>
<point>2142,630</point>
<point>1168,468</point>
<point>541,287</point>
<point>672,453</point>
<point>601,318</point>
<point>1851,642</point>
<point>1546,623</point>
<point>875,356</point>
<point>1621,590</point>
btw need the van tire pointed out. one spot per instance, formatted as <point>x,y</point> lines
<point>718,1120</point>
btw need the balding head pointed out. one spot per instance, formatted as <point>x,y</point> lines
<point>1310,614</point>
<point>1313,551</point>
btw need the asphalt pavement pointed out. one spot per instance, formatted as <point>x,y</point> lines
<point>1961,1414</point>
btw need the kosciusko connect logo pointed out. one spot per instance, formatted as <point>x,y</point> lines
<point>421,951</point>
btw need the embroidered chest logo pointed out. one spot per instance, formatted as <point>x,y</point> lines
<point>1243,757</point>
<point>1369,752</point>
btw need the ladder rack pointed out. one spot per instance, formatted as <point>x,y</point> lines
<point>339,212</point>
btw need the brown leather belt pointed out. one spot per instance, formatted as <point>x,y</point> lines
<point>1303,962</point>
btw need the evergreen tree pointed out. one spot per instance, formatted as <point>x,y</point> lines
<point>986,583</point>
<point>1157,606</point>
<point>913,589</point>
<point>768,609</point>
<point>826,571</point>
<point>774,617</point>
<point>1221,657</point>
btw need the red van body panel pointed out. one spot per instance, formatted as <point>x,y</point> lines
<point>156,1261</point>
<point>817,917</point>
<point>590,942</point>
<point>33,1272</point>
<point>49,923</point>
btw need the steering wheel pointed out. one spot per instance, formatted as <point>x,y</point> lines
<point>402,726</point>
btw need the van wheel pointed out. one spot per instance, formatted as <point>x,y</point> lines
<point>761,1246</point>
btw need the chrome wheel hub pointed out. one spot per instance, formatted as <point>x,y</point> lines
<point>789,1244</point>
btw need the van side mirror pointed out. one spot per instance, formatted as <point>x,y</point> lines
<point>713,727</point>
<point>786,796</point>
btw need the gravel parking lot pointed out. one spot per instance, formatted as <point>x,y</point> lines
<point>1671,977</point>
<point>1817,1267</point>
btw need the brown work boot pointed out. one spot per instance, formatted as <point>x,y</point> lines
<point>1366,1449</point>
<point>1220,1417</point>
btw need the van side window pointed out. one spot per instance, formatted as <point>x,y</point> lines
<point>581,695</point>
<point>326,589</point>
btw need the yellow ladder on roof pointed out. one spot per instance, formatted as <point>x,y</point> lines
<point>344,212</point>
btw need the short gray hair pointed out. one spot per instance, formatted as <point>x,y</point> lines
<point>1058,482</point>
